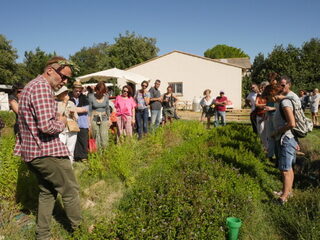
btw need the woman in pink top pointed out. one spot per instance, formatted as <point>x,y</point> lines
<point>125,107</point>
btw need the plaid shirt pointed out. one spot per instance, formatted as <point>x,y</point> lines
<point>39,128</point>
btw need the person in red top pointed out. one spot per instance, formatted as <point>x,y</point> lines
<point>220,107</point>
<point>39,145</point>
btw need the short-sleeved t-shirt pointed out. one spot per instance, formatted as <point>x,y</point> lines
<point>141,103</point>
<point>124,106</point>
<point>220,100</point>
<point>278,120</point>
<point>155,93</point>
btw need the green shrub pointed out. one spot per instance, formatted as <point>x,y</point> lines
<point>9,118</point>
<point>187,194</point>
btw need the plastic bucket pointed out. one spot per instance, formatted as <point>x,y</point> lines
<point>234,225</point>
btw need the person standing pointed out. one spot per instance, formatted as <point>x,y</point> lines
<point>286,144</point>
<point>303,99</point>
<point>168,102</point>
<point>14,104</point>
<point>314,106</point>
<point>68,109</point>
<point>251,101</point>
<point>99,111</point>
<point>39,145</point>
<point>142,99</point>
<point>220,109</point>
<point>82,104</point>
<point>155,104</point>
<point>125,109</point>
<point>206,103</point>
<point>261,102</point>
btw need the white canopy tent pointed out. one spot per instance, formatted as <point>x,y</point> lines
<point>122,76</point>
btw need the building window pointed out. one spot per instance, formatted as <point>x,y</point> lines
<point>177,88</point>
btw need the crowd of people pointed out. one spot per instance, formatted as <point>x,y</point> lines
<point>274,109</point>
<point>54,125</point>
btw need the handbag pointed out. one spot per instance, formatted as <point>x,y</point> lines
<point>73,126</point>
<point>92,145</point>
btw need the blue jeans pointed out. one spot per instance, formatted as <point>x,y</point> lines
<point>222,116</point>
<point>155,117</point>
<point>142,121</point>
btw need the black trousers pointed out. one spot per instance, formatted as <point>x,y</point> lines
<point>253,119</point>
<point>81,148</point>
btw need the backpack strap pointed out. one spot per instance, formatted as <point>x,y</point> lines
<point>281,109</point>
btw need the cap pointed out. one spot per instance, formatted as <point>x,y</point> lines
<point>61,90</point>
<point>221,91</point>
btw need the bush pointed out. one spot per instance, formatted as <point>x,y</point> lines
<point>9,118</point>
<point>190,190</point>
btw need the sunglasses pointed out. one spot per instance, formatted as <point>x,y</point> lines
<point>125,91</point>
<point>63,77</point>
<point>144,85</point>
<point>283,85</point>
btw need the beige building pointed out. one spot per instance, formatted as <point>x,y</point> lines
<point>190,75</point>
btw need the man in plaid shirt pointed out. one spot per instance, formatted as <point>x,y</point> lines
<point>40,147</point>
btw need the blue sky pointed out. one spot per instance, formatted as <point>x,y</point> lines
<point>189,26</point>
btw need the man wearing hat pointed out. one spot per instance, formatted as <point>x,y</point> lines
<point>39,145</point>
<point>82,103</point>
<point>220,106</point>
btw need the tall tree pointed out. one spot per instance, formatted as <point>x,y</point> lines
<point>224,51</point>
<point>302,65</point>
<point>130,49</point>
<point>35,62</point>
<point>8,66</point>
<point>92,59</point>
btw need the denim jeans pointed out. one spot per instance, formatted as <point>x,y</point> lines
<point>286,153</point>
<point>142,121</point>
<point>222,115</point>
<point>155,117</point>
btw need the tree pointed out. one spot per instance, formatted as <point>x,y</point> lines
<point>35,62</point>
<point>302,65</point>
<point>92,59</point>
<point>8,65</point>
<point>130,49</point>
<point>224,51</point>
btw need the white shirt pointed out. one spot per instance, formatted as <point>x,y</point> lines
<point>252,98</point>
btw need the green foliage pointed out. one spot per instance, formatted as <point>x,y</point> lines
<point>35,62</point>
<point>224,51</point>
<point>189,191</point>
<point>8,65</point>
<point>300,64</point>
<point>9,118</point>
<point>130,49</point>
<point>92,59</point>
<point>300,219</point>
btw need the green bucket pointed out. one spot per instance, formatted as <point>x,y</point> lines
<point>234,225</point>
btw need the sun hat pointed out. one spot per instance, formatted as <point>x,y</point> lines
<point>61,90</point>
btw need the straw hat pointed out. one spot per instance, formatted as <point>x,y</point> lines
<point>77,84</point>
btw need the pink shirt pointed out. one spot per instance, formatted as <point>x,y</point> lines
<point>124,106</point>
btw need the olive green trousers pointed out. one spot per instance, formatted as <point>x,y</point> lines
<point>55,175</point>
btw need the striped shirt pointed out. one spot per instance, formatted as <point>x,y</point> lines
<point>39,128</point>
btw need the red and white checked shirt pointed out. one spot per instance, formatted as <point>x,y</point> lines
<point>39,128</point>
